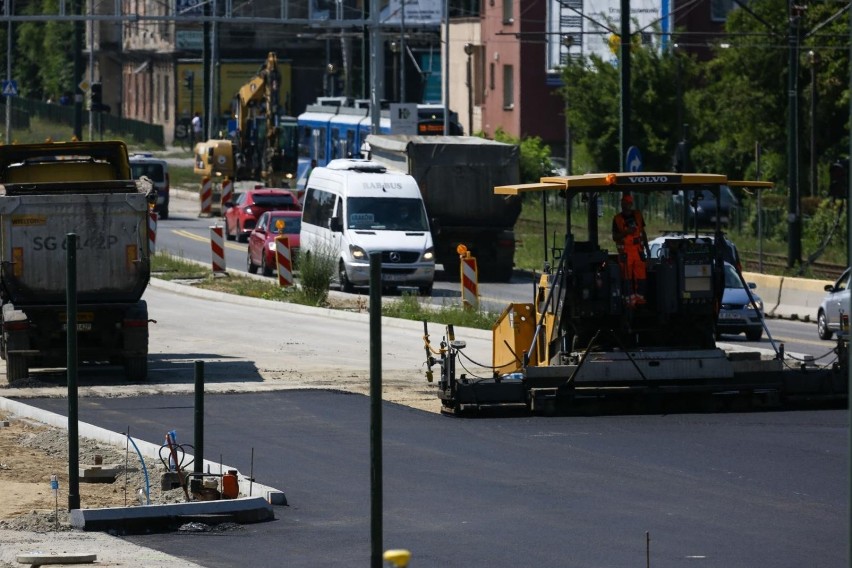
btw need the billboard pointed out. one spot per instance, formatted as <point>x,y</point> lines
<point>589,27</point>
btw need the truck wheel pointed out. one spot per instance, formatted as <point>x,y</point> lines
<point>252,267</point>
<point>136,368</point>
<point>343,278</point>
<point>16,368</point>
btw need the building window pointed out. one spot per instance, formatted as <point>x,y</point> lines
<point>491,72</point>
<point>167,84</point>
<point>507,11</point>
<point>719,9</point>
<point>508,87</point>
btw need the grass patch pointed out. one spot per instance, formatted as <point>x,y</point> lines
<point>168,267</point>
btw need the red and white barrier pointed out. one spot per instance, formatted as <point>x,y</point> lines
<point>206,196</point>
<point>217,246</point>
<point>152,232</point>
<point>469,281</point>
<point>284,261</point>
<point>227,191</point>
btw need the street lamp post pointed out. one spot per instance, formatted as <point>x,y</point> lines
<point>813,58</point>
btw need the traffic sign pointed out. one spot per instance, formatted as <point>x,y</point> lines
<point>10,88</point>
<point>633,160</point>
<point>84,86</point>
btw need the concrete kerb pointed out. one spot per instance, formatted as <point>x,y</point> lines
<point>786,297</point>
<point>254,505</point>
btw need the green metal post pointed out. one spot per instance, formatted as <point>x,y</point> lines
<point>198,463</point>
<point>71,335</point>
<point>376,410</point>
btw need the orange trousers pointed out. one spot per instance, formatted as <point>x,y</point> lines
<point>633,269</point>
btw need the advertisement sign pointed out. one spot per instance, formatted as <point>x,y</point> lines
<point>417,12</point>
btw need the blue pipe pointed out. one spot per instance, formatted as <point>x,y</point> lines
<point>144,470</point>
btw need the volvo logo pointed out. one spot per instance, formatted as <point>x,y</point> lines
<point>394,257</point>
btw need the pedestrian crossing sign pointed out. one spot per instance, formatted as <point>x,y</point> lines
<point>10,88</point>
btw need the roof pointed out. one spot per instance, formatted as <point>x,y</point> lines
<point>625,182</point>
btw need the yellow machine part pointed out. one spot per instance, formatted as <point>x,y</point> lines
<point>513,336</point>
<point>214,158</point>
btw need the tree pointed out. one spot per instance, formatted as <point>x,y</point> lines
<point>534,155</point>
<point>42,58</point>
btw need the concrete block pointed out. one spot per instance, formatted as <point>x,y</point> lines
<point>40,559</point>
<point>170,480</point>
<point>99,473</point>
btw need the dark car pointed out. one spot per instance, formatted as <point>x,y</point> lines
<point>261,241</point>
<point>702,209</point>
<point>242,214</point>
<point>157,171</point>
<point>834,307</point>
<point>738,314</point>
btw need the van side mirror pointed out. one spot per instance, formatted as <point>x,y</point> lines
<point>335,225</point>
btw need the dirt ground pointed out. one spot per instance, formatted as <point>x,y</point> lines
<point>31,453</point>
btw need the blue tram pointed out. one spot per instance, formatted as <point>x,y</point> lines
<point>337,128</point>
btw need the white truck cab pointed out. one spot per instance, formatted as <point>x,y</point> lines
<point>354,208</point>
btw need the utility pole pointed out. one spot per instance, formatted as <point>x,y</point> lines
<point>794,218</point>
<point>77,8</point>
<point>624,60</point>
<point>8,12</point>
<point>206,85</point>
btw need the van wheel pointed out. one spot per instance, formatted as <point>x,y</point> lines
<point>345,284</point>
<point>425,290</point>
<point>252,267</point>
<point>228,234</point>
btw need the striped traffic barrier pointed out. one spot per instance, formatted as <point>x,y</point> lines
<point>284,261</point>
<point>152,232</point>
<point>227,191</point>
<point>469,279</point>
<point>217,246</point>
<point>206,196</point>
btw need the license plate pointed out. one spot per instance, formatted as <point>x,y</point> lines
<point>725,315</point>
<point>393,277</point>
<point>80,327</point>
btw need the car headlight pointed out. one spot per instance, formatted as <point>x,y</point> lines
<point>429,254</point>
<point>757,303</point>
<point>357,252</point>
<point>270,245</point>
<point>247,210</point>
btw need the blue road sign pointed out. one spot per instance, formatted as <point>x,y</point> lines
<point>633,160</point>
<point>10,88</point>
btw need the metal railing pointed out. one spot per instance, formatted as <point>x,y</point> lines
<point>23,110</point>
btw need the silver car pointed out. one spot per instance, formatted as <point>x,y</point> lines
<point>833,306</point>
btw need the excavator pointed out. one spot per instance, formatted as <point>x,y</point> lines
<point>582,341</point>
<point>264,141</point>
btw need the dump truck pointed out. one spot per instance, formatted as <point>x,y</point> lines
<point>48,191</point>
<point>584,338</point>
<point>456,175</point>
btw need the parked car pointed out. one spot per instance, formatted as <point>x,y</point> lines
<point>241,215</point>
<point>729,251</point>
<point>261,241</point>
<point>738,314</point>
<point>835,304</point>
<point>157,171</point>
<point>702,207</point>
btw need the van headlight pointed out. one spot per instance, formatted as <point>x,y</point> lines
<point>429,254</point>
<point>357,252</point>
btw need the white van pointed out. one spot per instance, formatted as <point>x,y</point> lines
<point>353,208</point>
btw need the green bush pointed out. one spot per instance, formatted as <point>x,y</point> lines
<point>316,269</point>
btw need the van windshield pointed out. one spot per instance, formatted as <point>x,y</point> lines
<point>386,214</point>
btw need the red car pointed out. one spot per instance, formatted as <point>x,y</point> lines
<point>261,241</point>
<point>241,215</point>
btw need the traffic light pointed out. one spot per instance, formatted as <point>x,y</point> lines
<point>189,80</point>
<point>96,100</point>
<point>838,179</point>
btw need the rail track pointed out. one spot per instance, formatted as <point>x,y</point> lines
<point>777,264</point>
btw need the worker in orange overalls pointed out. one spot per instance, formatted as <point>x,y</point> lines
<point>628,232</point>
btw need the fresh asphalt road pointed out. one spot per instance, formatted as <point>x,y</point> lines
<point>721,490</point>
